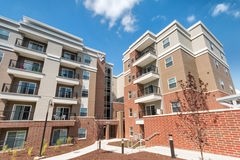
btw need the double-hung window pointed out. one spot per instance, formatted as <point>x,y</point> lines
<point>86,75</point>
<point>4,34</point>
<point>175,106</point>
<point>166,43</point>
<point>172,83</point>
<point>83,110</point>
<point>87,59</point>
<point>168,62</point>
<point>82,133</point>
<point>15,139</point>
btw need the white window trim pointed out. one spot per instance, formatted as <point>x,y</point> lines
<point>85,134</point>
<point>172,105</point>
<point>20,84</point>
<point>175,82</point>
<point>149,105</point>
<point>165,39</point>
<point>1,52</point>
<point>82,106</point>
<point>34,42</point>
<point>58,129</point>
<point>166,62</point>
<point>14,109</point>
<point>88,74</point>
<point>5,139</point>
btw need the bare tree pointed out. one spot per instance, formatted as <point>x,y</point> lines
<point>99,125</point>
<point>193,104</point>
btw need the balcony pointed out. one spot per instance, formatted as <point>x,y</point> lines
<point>145,57</point>
<point>29,70</point>
<point>147,75</point>
<point>148,94</point>
<point>20,92</point>
<point>68,79</point>
<point>17,115</point>
<point>59,116</point>
<point>30,48</point>
<point>71,61</point>
<point>65,97</point>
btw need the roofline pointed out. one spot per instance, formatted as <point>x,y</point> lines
<point>94,50</point>
<point>116,76</point>
<point>135,42</point>
<point>211,34</point>
<point>28,19</point>
<point>9,20</point>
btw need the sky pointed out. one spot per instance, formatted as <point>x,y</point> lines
<point>112,26</point>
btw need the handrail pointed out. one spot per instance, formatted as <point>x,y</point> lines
<point>20,89</point>
<point>19,43</point>
<point>149,90</point>
<point>151,136</point>
<point>25,66</point>
<point>149,69</point>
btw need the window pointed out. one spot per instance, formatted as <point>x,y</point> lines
<point>129,63</point>
<point>68,73</point>
<point>26,87</point>
<point>65,92</point>
<point>130,112</point>
<point>15,139</point>
<point>82,133</point>
<point>175,106</point>
<point>4,34</point>
<point>36,46</point>
<point>150,110</point>
<point>21,112</point>
<point>69,56</point>
<point>216,63</point>
<point>83,111</point>
<point>86,75</point>
<point>129,78</point>
<point>1,56</point>
<point>129,94</point>
<point>168,62</point>
<point>62,113</point>
<point>166,43</point>
<point>172,83</point>
<point>211,45</point>
<point>87,59</point>
<point>221,84</point>
<point>226,71</point>
<point>31,66</point>
<point>131,131</point>
<point>59,135</point>
<point>84,92</point>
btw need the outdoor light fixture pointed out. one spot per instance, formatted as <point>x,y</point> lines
<point>170,138</point>
<point>122,146</point>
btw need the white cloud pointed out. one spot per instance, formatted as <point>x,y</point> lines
<point>236,14</point>
<point>220,8</point>
<point>128,23</point>
<point>191,19</point>
<point>114,10</point>
<point>159,17</point>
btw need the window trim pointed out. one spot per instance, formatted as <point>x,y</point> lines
<point>20,84</point>
<point>179,105</point>
<point>85,71</point>
<point>60,87</point>
<point>84,89</point>
<point>166,44</point>
<point>166,62</point>
<point>129,94</point>
<point>130,112</point>
<point>38,43</point>
<point>5,139</point>
<point>5,30</point>
<point>169,83</point>
<point>55,129</point>
<point>14,109</point>
<point>85,57</point>
<point>150,105</point>
<point>82,106</point>
<point>85,133</point>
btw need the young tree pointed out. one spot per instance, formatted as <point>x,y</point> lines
<point>193,104</point>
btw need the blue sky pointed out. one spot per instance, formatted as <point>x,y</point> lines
<point>112,25</point>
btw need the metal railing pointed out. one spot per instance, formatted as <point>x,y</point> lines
<point>66,94</point>
<point>27,66</point>
<point>146,51</point>
<point>149,90</point>
<point>73,59</point>
<point>20,89</point>
<point>149,69</point>
<point>70,76</point>
<point>20,43</point>
<point>63,116</point>
<point>16,115</point>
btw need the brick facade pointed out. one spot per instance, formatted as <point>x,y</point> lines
<point>223,136</point>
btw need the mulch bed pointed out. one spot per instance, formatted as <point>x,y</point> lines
<point>51,151</point>
<point>106,155</point>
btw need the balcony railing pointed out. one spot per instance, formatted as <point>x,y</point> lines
<point>63,116</point>
<point>76,59</point>
<point>146,51</point>
<point>144,71</point>
<point>70,76</point>
<point>66,94</point>
<point>27,66</point>
<point>149,90</point>
<point>20,89</point>
<point>40,48</point>
<point>16,115</point>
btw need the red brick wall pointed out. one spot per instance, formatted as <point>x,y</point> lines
<point>223,136</point>
<point>117,107</point>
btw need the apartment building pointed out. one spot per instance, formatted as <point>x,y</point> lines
<point>46,71</point>
<point>155,63</point>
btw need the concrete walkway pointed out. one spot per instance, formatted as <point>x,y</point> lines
<point>180,153</point>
